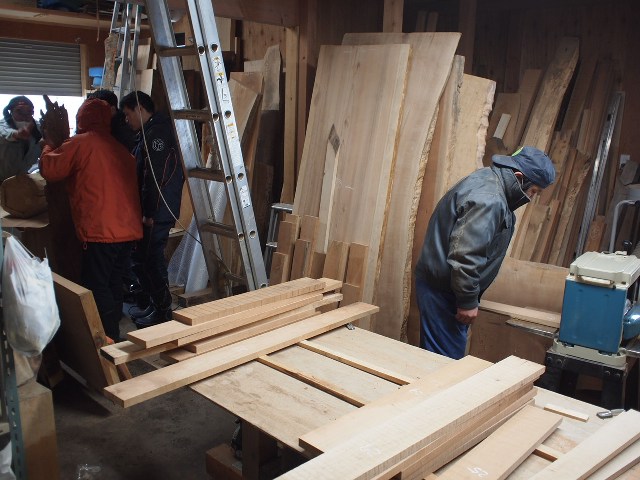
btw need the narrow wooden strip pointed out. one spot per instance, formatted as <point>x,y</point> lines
<point>383,445</point>
<point>442,450</point>
<point>356,264</point>
<point>280,268</point>
<point>377,370</point>
<point>503,123</point>
<point>323,385</point>
<point>287,236</point>
<point>245,301</point>
<point>566,412</point>
<point>150,385</point>
<point>301,253</point>
<point>543,318</point>
<point>316,266</point>
<point>175,331</point>
<point>548,453</point>
<point>328,436</point>
<point>330,284</point>
<point>596,450</point>
<point>506,448</point>
<point>123,352</point>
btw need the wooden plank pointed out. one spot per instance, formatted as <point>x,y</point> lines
<point>335,265</point>
<point>241,333</point>
<point>155,383</point>
<point>467,25</point>
<point>374,369</point>
<point>442,451</point>
<point>535,316</point>
<point>431,55</point>
<point>123,352</point>
<point>290,114</point>
<point>527,92</point>
<point>393,14</point>
<point>316,266</point>
<point>352,294</point>
<point>245,106</point>
<point>505,104</point>
<point>189,299</point>
<point>199,314</point>
<point>597,449</point>
<point>356,264</point>
<point>538,215</point>
<point>331,435</point>
<point>182,334</point>
<point>81,334</point>
<point>219,309</point>
<point>566,412</point>
<point>383,445</point>
<point>540,251</point>
<point>280,268</point>
<point>596,234</point>
<point>506,448</point>
<point>579,94</point>
<point>501,128</point>
<point>554,85</point>
<point>301,255</point>
<point>287,236</point>
<point>619,464</point>
<point>548,453</point>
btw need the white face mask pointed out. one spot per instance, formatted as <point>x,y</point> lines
<point>20,125</point>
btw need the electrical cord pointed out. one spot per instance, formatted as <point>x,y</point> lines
<point>155,181</point>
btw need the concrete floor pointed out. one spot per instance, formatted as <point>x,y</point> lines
<point>164,438</point>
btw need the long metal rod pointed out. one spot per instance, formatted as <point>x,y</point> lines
<point>598,170</point>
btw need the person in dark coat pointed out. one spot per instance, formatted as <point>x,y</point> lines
<point>467,239</point>
<point>160,181</point>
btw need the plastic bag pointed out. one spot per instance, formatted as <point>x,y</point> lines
<point>31,315</point>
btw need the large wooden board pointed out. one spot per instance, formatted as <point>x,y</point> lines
<point>431,57</point>
<point>386,443</point>
<point>81,335</point>
<point>155,383</point>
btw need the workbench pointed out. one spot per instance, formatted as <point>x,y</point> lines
<point>275,406</point>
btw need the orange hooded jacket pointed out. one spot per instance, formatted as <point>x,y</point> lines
<point>101,178</point>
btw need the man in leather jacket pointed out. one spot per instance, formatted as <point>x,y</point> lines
<point>466,241</point>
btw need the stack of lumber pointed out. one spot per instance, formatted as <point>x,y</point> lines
<point>209,338</point>
<point>561,111</point>
<point>296,256</point>
<point>371,135</point>
<point>467,406</point>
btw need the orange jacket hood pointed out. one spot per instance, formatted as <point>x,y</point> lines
<point>94,115</point>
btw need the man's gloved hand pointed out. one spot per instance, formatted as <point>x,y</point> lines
<point>467,316</point>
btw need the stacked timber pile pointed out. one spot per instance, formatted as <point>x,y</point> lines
<point>371,135</point>
<point>210,338</point>
<point>474,407</point>
<point>565,112</point>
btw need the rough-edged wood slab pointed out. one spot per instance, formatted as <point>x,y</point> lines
<point>379,447</point>
<point>150,385</point>
<point>431,57</point>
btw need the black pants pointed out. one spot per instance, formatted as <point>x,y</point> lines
<point>149,264</point>
<point>103,267</point>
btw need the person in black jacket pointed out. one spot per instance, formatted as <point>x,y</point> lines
<point>467,239</point>
<point>160,180</point>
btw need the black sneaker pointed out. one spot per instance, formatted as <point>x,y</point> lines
<point>136,312</point>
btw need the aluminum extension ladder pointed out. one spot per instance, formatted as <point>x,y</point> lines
<point>122,48</point>
<point>221,119</point>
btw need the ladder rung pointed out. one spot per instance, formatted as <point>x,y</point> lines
<point>200,115</point>
<point>220,229</point>
<point>272,244</point>
<point>207,174</point>
<point>235,278</point>
<point>178,51</point>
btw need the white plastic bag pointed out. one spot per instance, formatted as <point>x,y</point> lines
<point>28,300</point>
